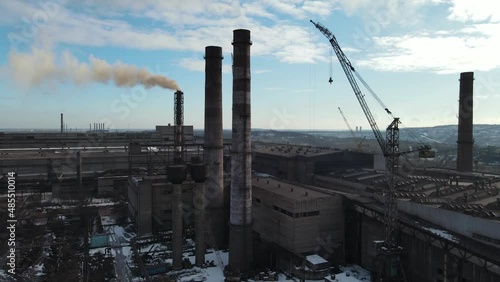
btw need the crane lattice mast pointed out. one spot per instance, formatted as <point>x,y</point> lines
<point>390,148</point>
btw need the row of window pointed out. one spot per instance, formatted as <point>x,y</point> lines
<point>296,215</point>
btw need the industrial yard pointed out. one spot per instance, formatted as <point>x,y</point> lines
<point>190,198</point>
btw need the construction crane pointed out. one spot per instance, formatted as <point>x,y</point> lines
<point>347,123</point>
<point>360,143</point>
<point>389,265</point>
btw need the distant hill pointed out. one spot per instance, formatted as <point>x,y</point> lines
<point>484,134</point>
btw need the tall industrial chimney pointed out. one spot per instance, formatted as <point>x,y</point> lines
<point>240,239</point>
<point>62,123</point>
<point>179,122</point>
<point>465,123</point>
<point>213,146</point>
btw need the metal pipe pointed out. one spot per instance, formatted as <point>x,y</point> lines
<point>240,245</point>
<point>465,123</point>
<point>79,171</point>
<point>199,175</point>
<point>177,226</point>
<point>176,174</point>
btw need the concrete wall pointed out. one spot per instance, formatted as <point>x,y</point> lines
<point>299,235</point>
<point>150,203</point>
<point>63,163</point>
<point>423,261</point>
<point>139,203</point>
<point>462,224</point>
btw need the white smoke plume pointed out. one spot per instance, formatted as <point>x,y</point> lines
<point>41,66</point>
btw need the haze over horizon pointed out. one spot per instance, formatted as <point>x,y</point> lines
<point>410,53</point>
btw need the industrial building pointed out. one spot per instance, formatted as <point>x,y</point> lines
<point>290,220</point>
<point>294,209</point>
<point>301,163</point>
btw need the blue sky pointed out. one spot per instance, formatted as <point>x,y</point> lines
<point>410,52</point>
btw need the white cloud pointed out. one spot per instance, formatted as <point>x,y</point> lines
<point>468,49</point>
<point>191,25</point>
<point>477,10</point>
<point>187,25</point>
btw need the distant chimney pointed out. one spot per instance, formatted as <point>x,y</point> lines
<point>465,123</point>
<point>62,123</point>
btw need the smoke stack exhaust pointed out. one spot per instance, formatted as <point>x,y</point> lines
<point>41,66</point>
<point>240,240</point>
<point>213,146</point>
<point>465,123</point>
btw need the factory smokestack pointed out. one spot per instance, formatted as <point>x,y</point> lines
<point>213,146</point>
<point>465,123</point>
<point>62,123</point>
<point>179,122</point>
<point>40,66</point>
<point>240,240</point>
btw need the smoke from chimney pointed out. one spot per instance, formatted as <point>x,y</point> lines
<point>40,66</point>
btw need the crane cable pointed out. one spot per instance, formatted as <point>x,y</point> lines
<point>331,63</point>
<point>418,139</point>
<point>373,93</point>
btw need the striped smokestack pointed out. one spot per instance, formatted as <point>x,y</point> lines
<point>240,240</point>
<point>213,146</point>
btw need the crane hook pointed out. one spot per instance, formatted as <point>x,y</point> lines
<point>330,80</point>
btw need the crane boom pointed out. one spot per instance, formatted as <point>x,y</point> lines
<point>347,123</point>
<point>349,70</point>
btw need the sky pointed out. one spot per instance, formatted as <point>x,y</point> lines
<point>410,52</point>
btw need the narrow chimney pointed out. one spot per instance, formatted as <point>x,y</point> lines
<point>179,122</point>
<point>465,123</point>
<point>240,239</point>
<point>213,146</point>
<point>62,123</point>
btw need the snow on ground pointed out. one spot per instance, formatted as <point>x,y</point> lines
<point>209,274</point>
<point>442,233</point>
<point>97,250</point>
<point>4,276</point>
<point>107,220</point>
<point>38,269</point>
<point>351,273</point>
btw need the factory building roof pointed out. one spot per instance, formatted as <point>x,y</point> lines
<point>286,189</point>
<point>478,196</point>
<point>292,151</point>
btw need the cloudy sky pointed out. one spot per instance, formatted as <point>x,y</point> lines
<point>55,56</point>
